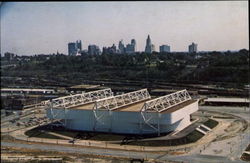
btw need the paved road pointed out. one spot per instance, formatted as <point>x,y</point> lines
<point>82,150</point>
<point>127,154</point>
<point>235,146</point>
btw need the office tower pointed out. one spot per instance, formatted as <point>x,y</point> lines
<point>149,46</point>
<point>93,50</point>
<point>79,45</point>
<point>164,48</point>
<point>133,42</point>
<point>113,48</point>
<point>72,48</point>
<point>192,48</point>
<point>75,47</point>
<point>131,48</point>
<point>153,47</point>
<point>121,47</point>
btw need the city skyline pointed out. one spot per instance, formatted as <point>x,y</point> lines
<point>214,25</point>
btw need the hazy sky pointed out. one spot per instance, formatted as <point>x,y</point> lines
<point>45,27</point>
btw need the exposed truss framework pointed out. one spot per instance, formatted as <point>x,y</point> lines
<point>74,100</point>
<point>103,107</point>
<point>80,99</point>
<point>163,103</point>
<point>150,121</point>
<point>112,103</point>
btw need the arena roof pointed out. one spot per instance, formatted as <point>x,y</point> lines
<point>127,103</point>
<point>136,107</point>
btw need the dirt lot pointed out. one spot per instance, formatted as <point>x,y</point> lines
<point>26,155</point>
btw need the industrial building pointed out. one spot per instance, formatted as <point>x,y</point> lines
<point>131,113</point>
<point>225,101</point>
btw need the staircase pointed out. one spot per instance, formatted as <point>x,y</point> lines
<point>203,129</point>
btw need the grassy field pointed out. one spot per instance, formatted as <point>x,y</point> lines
<point>211,123</point>
<point>190,138</point>
<point>91,135</point>
<point>40,134</point>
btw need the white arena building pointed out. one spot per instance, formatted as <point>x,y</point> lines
<point>131,113</point>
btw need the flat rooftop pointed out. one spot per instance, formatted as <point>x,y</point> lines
<point>224,99</point>
<point>86,86</point>
<point>135,107</point>
<point>88,106</point>
<point>25,89</point>
<point>179,106</point>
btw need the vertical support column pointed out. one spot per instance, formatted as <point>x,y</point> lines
<point>140,125</point>
<point>159,116</point>
<point>110,117</point>
<point>65,119</point>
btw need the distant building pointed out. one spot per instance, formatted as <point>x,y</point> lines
<point>75,48</point>
<point>113,48</point>
<point>133,42</point>
<point>104,50</point>
<point>84,52</point>
<point>153,47</point>
<point>121,47</point>
<point>109,50</point>
<point>79,45</point>
<point>149,46</point>
<point>9,56</point>
<point>131,48</point>
<point>93,50</point>
<point>192,48</point>
<point>72,48</point>
<point>164,48</point>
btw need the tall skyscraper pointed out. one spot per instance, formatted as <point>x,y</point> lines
<point>75,47</point>
<point>133,42</point>
<point>164,48</point>
<point>79,45</point>
<point>131,48</point>
<point>192,48</point>
<point>72,48</point>
<point>113,47</point>
<point>149,46</point>
<point>121,47</point>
